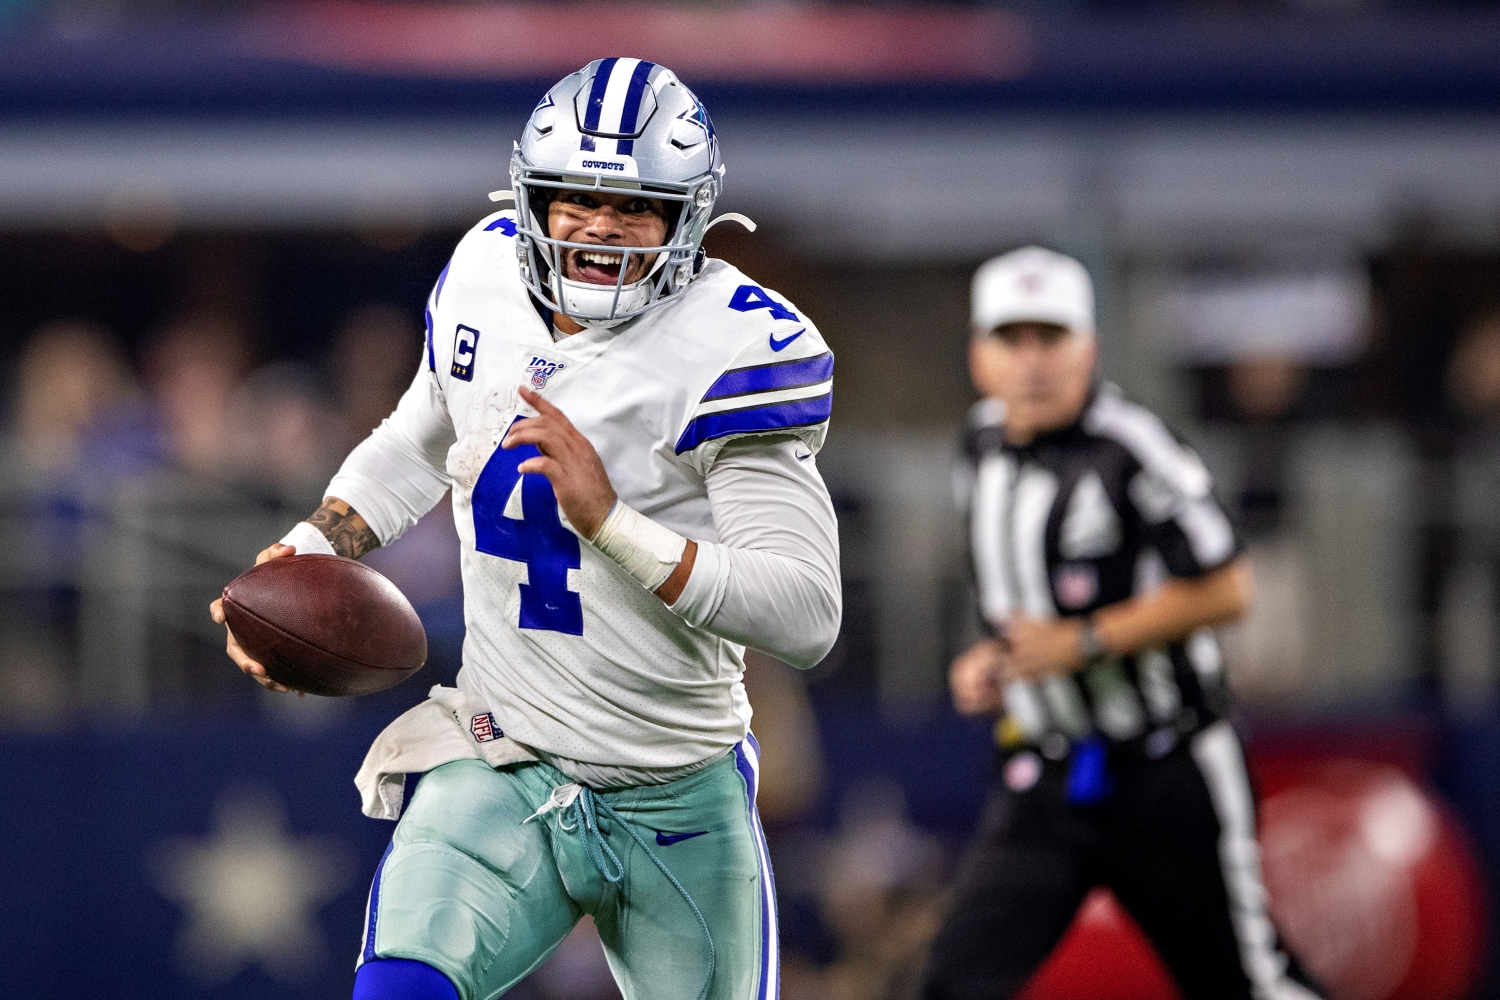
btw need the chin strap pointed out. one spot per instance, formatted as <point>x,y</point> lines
<point>743,220</point>
<point>511,196</point>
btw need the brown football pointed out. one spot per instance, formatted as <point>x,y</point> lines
<point>325,625</point>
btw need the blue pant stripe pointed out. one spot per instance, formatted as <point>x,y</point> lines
<point>368,955</point>
<point>770,972</point>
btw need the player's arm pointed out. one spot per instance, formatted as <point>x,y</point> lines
<point>661,562</point>
<point>773,581</point>
<point>345,529</point>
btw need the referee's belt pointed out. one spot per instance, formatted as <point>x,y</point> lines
<point>1153,744</point>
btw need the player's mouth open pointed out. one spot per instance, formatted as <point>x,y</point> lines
<point>596,267</point>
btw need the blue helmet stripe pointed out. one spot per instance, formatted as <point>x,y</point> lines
<point>596,94</point>
<point>632,109</point>
<point>798,413</point>
<point>779,375</point>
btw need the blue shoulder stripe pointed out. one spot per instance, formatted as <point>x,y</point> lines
<point>431,357</point>
<point>777,375</point>
<point>797,413</point>
<point>437,293</point>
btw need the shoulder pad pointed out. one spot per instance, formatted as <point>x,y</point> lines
<point>775,373</point>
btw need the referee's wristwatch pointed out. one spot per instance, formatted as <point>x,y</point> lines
<point>1090,642</point>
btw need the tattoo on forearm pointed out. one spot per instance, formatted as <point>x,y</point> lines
<point>345,530</point>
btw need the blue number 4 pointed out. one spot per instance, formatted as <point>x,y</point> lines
<point>748,298</point>
<point>537,538</point>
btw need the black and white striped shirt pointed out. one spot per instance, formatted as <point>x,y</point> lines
<point>1077,520</point>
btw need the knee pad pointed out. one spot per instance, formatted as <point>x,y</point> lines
<point>401,979</point>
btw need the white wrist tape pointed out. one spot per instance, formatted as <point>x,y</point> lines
<point>308,541</point>
<point>643,548</point>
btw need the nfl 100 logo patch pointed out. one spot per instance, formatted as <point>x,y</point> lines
<point>484,728</point>
<point>541,370</point>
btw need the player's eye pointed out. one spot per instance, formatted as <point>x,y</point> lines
<point>581,200</point>
<point>639,206</point>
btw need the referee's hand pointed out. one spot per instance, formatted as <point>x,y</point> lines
<point>975,679</point>
<point>1040,647</point>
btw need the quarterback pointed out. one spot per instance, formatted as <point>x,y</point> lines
<point>629,432</point>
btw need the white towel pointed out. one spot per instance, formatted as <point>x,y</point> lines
<point>450,725</point>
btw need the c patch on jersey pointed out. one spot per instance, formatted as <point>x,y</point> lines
<point>541,370</point>
<point>465,344</point>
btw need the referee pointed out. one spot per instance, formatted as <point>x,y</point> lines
<point>1102,561</point>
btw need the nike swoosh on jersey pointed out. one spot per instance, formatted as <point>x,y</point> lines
<point>803,458</point>
<point>668,839</point>
<point>777,345</point>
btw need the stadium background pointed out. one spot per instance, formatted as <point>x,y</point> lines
<point>218,222</point>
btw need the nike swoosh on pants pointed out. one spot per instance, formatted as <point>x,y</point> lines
<point>668,839</point>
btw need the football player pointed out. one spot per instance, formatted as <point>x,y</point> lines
<point>629,431</point>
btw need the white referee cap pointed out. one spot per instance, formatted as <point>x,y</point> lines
<point>1032,285</point>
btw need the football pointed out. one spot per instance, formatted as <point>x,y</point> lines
<point>325,625</point>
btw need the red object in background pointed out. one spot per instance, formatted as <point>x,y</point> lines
<point>1104,954</point>
<point>1371,881</point>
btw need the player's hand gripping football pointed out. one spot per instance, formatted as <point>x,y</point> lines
<point>568,461</point>
<point>216,610</point>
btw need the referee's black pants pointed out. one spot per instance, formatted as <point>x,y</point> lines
<point>1175,841</point>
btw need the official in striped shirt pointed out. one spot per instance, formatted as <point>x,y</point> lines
<point>1102,561</point>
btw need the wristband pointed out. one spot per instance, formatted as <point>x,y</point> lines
<point>308,541</point>
<point>1090,642</point>
<point>644,549</point>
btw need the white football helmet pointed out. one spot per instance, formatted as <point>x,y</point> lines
<point>616,125</point>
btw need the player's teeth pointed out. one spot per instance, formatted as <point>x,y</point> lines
<point>600,258</point>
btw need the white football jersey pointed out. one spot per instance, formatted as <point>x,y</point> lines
<point>576,657</point>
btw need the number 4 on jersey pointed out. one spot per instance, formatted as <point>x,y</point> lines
<point>536,538</point>
<point>748,298</point>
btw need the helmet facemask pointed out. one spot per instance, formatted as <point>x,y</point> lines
<point>541,256</point>
<point>667,151</point>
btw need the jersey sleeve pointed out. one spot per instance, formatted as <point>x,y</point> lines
<point>1171,492</point>
<point>760,393</point>
<point>398,473</point>
<point>772,582</point>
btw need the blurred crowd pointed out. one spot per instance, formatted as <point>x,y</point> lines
<point>194,451</point>
<point>1371,538</point>
<point>196,401</point>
